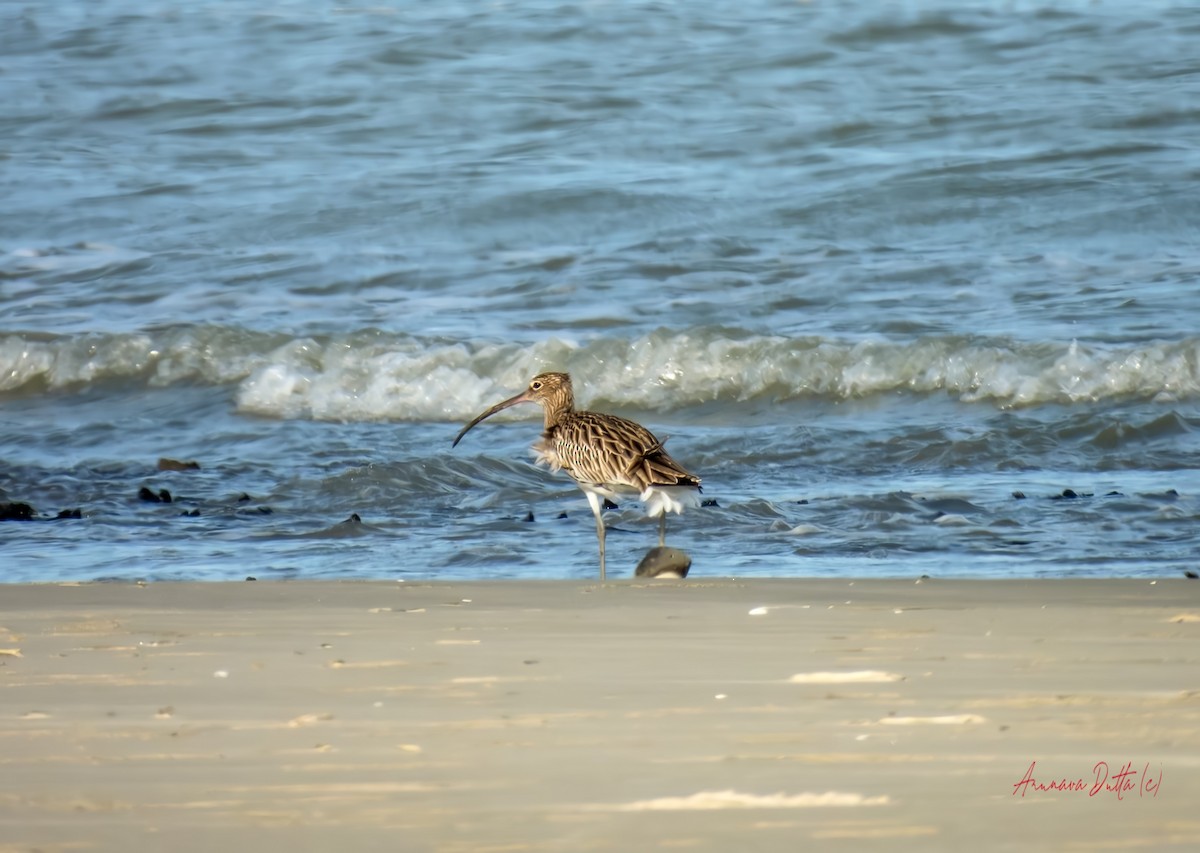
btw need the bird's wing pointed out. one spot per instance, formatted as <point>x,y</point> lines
<point>601,448</point>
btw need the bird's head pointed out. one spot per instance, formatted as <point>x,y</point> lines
<point>551,390</point>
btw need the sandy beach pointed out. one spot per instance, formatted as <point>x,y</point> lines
<point>700,715</point>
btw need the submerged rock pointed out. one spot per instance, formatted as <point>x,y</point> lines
<point>351,526</point>
<point>663,562</point>
<point>165,464</point>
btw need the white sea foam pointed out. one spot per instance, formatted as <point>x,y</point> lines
<point>942,720</point>
<point>864,676</point>
<point>665,372</point>
<point>372,375</point>
<point>730,799</point>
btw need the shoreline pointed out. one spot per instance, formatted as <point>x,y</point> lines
<point>705,714</point>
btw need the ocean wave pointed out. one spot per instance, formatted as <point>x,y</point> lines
<point>69,263</point>
<point>377,375</point>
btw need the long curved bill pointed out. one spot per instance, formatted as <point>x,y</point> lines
<point>512,401</point>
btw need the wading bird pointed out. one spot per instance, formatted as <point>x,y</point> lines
<point>606,455</point>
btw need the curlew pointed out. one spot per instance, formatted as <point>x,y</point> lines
<point>605,454</point>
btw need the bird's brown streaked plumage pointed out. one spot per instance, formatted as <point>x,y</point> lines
<point>605,454</point>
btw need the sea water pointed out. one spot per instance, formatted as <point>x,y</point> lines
<point>914,287</point>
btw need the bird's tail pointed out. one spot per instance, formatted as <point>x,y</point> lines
<point>663,499</point>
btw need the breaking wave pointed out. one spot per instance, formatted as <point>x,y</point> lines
<point>371,374</point>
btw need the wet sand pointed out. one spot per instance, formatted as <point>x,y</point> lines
<point>699,715</point>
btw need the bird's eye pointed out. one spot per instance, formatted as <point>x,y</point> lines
<point>536,386</point>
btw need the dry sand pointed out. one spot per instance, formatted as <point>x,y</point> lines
<point>558,716</point>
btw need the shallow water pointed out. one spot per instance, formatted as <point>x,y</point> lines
<point>873,269</point>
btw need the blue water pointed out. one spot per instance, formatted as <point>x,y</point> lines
<point>875,268</point>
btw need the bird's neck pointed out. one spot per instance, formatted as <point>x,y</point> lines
<point>555,409</point>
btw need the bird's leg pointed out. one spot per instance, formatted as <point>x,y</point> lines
<point>662,529</point>
<point>597,505</point>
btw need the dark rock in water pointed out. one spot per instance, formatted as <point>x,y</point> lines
<point>529,516</point>
<point>193,514</point>
<point>162,497</point>
<point>165,464</point>
<point>610,505</point>
<point>353,519</point>
<point>1191,575</point>
<point>16,512</point>
<point>24,512</point>
<point>562,515</point>
<point>244,498</point>
<point>1070,494</point>
<point>1020,496</point>
<point>251,578</point>
<point>709,502</point>
<point>802,501</point>
<point>663,562</point>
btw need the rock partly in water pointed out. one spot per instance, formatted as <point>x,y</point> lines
<point>664,562</point>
